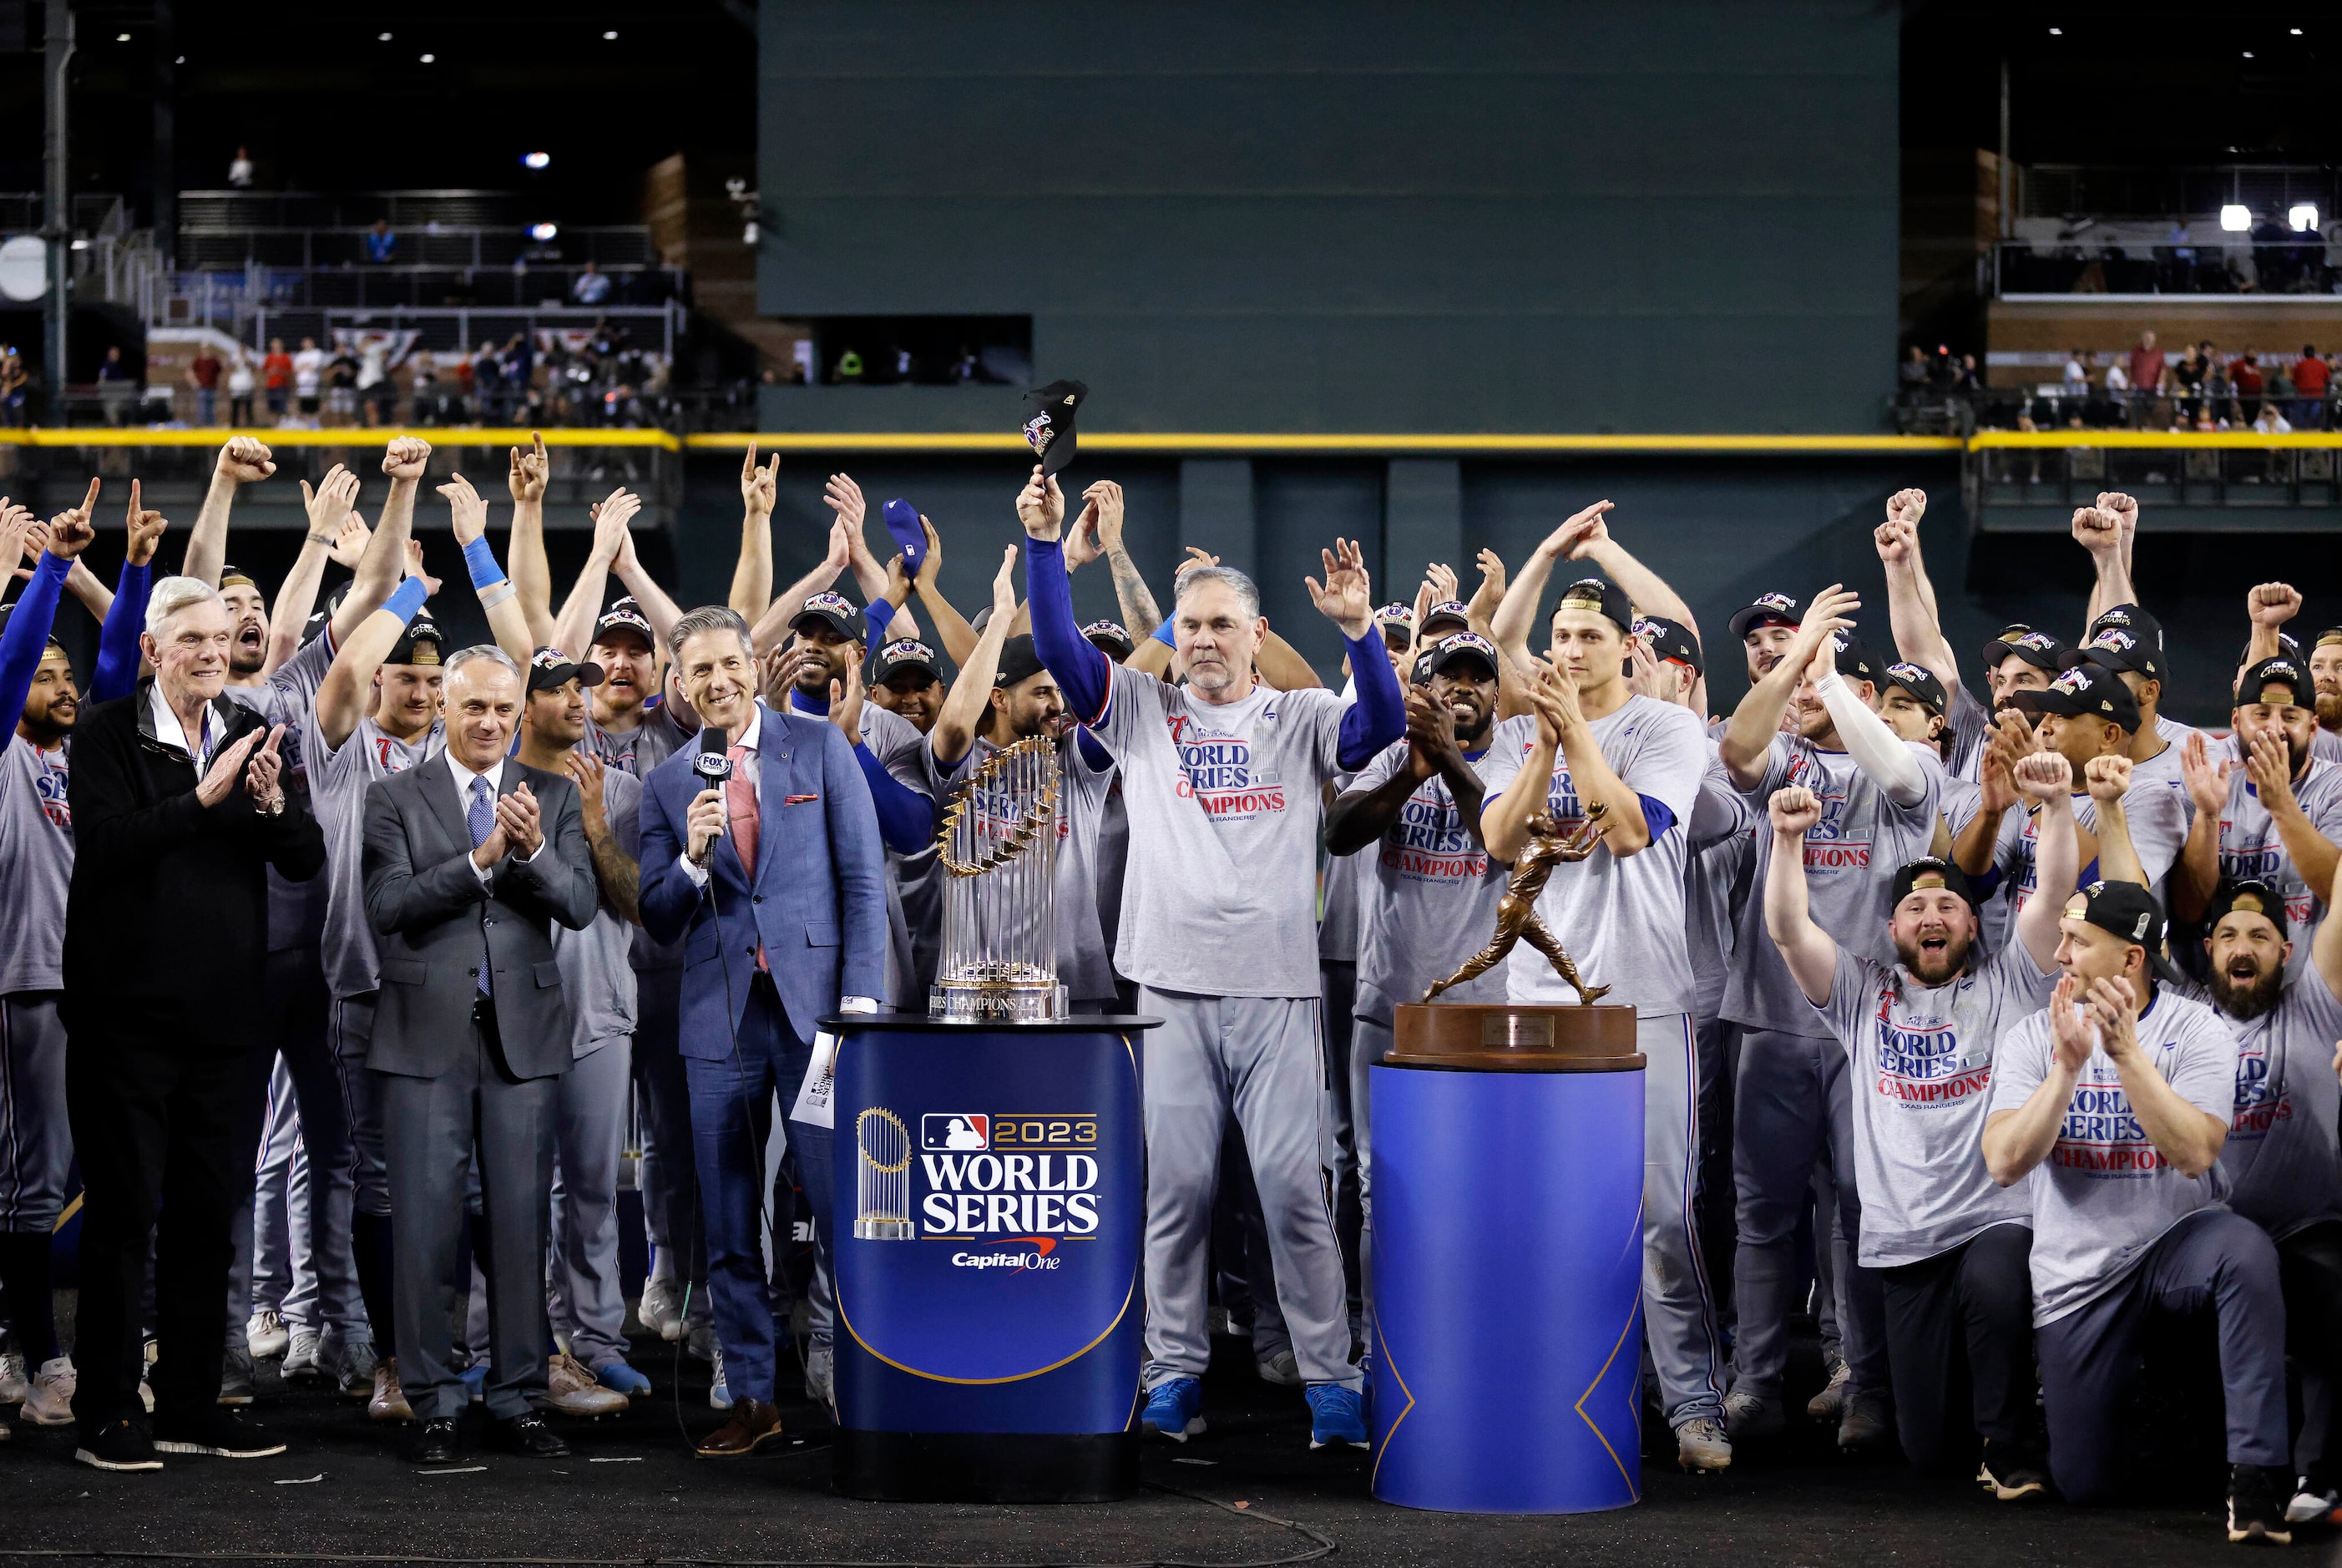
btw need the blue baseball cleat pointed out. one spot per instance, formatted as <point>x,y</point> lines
<point>1175,1410</point>
<point>1336,1415</point>
<point>618,1374</point>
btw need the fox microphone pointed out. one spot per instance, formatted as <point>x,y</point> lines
<point>713,763</point>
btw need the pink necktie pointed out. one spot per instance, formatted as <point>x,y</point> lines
<point>740,807</point>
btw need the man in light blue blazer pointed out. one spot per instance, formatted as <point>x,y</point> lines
<point>775,880</point>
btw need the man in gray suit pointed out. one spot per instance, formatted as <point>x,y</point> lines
<point>470,859</point>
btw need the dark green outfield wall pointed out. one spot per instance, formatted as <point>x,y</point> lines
<point>1608,214</point>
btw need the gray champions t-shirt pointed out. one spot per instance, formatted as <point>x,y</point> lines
<point>595,973</point>
<point>1622,921</point>
<point>1852,855</point>
<point>338,778</point>
<point>1082,967</point>
<point>2152,814</point>
<point>1220,890</point>
<point>1427,898</point>
<point>2105,1193</point>
<point>2280,1159</point>
<point>2250,847</point>
<point>36,858</point>
<point>1721,851</point>
<point>1921,1061</point>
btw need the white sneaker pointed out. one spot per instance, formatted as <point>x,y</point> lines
<point>821,1375</point>
<point>264,1334</point>
<point>1701,1447</point>
<point>146,1395</point>
<point>49,1403</point>
<point>301,1357</point>
<point>573,1389</point>
<point>661,1310</point>
<point>1281,1369</point>
<point>1830,1405</point>
<point>719,1394</point>
<point>15,1383</point>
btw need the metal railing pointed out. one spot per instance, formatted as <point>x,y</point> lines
<point>2255,481</point>
<point>2057,190</point>
<point>444,246</point>
<point>2085,265</point>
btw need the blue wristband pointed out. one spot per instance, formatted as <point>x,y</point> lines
<point>405,601</point>
<point>1162,633</point>
<point>482,560</point>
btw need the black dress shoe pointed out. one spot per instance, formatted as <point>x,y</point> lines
<point>436,1444</point>
<point>528,1436</point>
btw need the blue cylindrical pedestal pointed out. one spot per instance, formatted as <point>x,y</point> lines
<point>991,1198</point>
<point>1507,1266</point>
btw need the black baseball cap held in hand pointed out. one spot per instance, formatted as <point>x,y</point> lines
<point>1049,422</point>
<point>2130,911</point>
<point>1110,638</point>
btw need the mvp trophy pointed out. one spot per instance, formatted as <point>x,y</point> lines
<point>1508,1190</point>
<point>998,847</point>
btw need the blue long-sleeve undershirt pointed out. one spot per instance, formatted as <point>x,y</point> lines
<point>1377,718</point>
<point>26,637</point>
<point>118,639</point>
<point>906,819</point>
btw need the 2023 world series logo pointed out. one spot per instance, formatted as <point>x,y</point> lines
<point>1032,1178</point>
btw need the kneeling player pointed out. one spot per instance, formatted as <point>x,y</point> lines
<point>1949,1245</point>
<point>2119,1096</point>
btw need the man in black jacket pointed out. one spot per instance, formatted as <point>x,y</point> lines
<point>179,807</point>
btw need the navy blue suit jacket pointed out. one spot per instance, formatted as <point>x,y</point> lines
<point>816,897</point>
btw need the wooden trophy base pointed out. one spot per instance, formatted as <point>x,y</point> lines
<point>1502,1038</point>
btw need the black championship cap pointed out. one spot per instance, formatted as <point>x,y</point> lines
<point>1049,422</point>
<point>1458,645</point>
<point>1928,872</point>
<point>2130,911</point>
<point>835,610</point>
<point>903,653</point>
<point>1767,609</point>
<point>624,616</point>
<point>1854,660</point>
<point>1110,638</point>
<point>1924,688</point>
<point>1671,641</point>
<point>418,645</point>
<point>8,610</point>
<point>1019,661</point>
<point>315,626</point>
<point>2089,691</point>
<point>233,577</point>
<point>2038,649</point>
<point>2291,673</point>
<point>2253,897</point>
<point>549,669</point>
<point>2140,651</point>
<point>2128,618</point>
<point>1603,598</point>
<point>1397,623</point>
<point>1450,614</point>
<point>2329,637</point>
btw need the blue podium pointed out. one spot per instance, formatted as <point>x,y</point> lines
<point>1508,1260</point>
<point>991,1202</point>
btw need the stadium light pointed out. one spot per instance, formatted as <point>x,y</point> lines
<point>2303,217</point>
<point>382,38</point>
<point>535,160</point>
<point>610,35</point>
<point>122,37</point>
<point>2236,219</point>
<point>2057,32</point>
<point>2248,54</point>
<point>543,233</point>
<point>428,58</point>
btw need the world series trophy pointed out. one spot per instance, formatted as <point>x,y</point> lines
<point>998,848</point>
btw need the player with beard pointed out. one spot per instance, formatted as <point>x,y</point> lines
<point>1880,798</point>
<point>2267,608</point>
<point>2281,1160</point>
<point>2325,670</point>
<point>1948,1244</point>
<point>2275,816</point>
<point>1003,695</point>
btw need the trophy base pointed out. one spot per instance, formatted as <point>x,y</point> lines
<point>996,1003</point>
<point>1505,1038</point>
<point>884,1230</point>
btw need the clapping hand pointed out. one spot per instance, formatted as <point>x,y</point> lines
<point>262,781</point>
<point>2072,1033</point>
<point>220,778</point>
<point>517,820</point>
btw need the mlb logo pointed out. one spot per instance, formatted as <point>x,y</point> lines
<point>948,1130</point>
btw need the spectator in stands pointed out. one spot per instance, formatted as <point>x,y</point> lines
<point>2310,378</point>
<point>2269,422</point>
<point>377,392</point>
<point>2187,378</point>
<point>488,386</point>
<point>592,287</point>
<point>204,376</point>
<point>518,366</point>
<point>239,170</point>
<point>1912,374</point>
<point>240,384</point>
<point>115,390</point>
<point>342,385</point>
<point>2244,377</point>
<point>2146,372</point>
<point>277,377</point>
<point>429,393</point>
<point>381,244</point>
<point>2117,391</point>
<point>14,387</point>
<point>309,378</point>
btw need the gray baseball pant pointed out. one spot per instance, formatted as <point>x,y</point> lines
<point>1792,1107</point>
<point>1261,1056</point>
<point>258,1238</point>
<point>1678,1307</point>
<point>583,1296</point>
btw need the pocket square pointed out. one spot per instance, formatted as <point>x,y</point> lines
<point>798,799</point>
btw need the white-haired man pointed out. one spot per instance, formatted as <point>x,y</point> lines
<point>178,806</point>
<point>1222,778</point>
